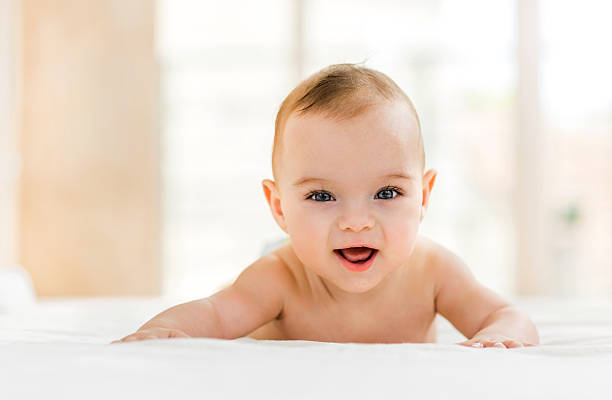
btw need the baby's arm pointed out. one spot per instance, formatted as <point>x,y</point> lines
<point>256,297</point>
<point>477,312</point>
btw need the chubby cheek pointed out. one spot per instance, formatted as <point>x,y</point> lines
<point>309,231</point>
<point>401,229</point>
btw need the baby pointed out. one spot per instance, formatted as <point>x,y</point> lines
<point>350,189</point>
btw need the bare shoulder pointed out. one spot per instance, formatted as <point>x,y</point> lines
<point>256,297</point>
<point>437,253</point>
<point>441,263</point>
<point>433,254</point>
<point>261,287</point>
<point>269,271</point>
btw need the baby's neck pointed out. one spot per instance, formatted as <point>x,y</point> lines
<point>342,297</point>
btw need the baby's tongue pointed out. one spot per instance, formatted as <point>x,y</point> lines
<point>354,254</point>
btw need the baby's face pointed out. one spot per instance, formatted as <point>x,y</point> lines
<point>351,183</point>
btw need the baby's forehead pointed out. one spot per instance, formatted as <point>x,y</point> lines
<point>390,116</point>
<point>381,139</point>
<point>390,126</point>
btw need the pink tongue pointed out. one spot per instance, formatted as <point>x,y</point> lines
<point>354,254</point>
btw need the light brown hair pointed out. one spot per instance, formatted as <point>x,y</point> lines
<point>339,91</point>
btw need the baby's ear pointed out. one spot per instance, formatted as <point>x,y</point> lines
<point>429,178</point>
<point>273,197</point>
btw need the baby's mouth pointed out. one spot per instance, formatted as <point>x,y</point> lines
<point>357,255</point>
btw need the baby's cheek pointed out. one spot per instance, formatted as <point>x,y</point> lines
<point>308,234</point>
<point>401,230</point>
<point>300,222</point>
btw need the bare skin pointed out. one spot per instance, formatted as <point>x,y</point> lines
<point>404,313</point>
<point>351,183</point>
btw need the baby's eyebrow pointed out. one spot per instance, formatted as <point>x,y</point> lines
<point>399,175</point>
<point>305,180</point>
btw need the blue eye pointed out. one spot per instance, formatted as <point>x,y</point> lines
<point>388,193</point>
<point>320,196</point>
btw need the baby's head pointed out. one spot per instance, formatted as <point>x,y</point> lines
<point>348,164</point>
<point>340,92</point>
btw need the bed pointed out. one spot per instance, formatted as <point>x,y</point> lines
<point>59,349</point>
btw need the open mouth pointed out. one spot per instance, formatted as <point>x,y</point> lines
<point>356,255</point>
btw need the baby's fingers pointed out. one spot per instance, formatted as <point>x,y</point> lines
<point>481,343</point>
<point>511,344</point>
<point>504,344</point>
<point>153,333</point>
<point>175,333</point>
<point>133,338</point>
<point>500,342</point>
<point>471,343</point>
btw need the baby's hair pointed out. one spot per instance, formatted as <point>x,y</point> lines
<point>339,91</point>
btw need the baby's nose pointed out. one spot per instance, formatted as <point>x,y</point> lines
<point>356,222</point>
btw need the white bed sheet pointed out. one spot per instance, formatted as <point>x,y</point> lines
<point>59,349</point>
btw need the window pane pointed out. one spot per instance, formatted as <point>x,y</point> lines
<point>577,145</point>
<point>225,69</point>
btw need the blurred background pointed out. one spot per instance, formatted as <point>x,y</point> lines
<point>134,134</point>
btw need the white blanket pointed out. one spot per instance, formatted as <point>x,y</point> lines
<point>59,349</point>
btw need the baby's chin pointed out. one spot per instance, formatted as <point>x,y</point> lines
<point>349,282</point>
<point>369,281</point>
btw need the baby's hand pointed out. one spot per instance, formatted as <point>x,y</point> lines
<point>153,333</point>
<point>494,340</point>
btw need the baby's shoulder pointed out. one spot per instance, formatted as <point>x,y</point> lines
<point>434,257</point>
<point>269,272</point>
<point>443,267</point>
<point>287,261</point>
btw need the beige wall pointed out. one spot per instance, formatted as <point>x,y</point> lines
<point>89,141</point>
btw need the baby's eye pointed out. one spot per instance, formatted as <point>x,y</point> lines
<point>320,196</point>
<point>388,193</point>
